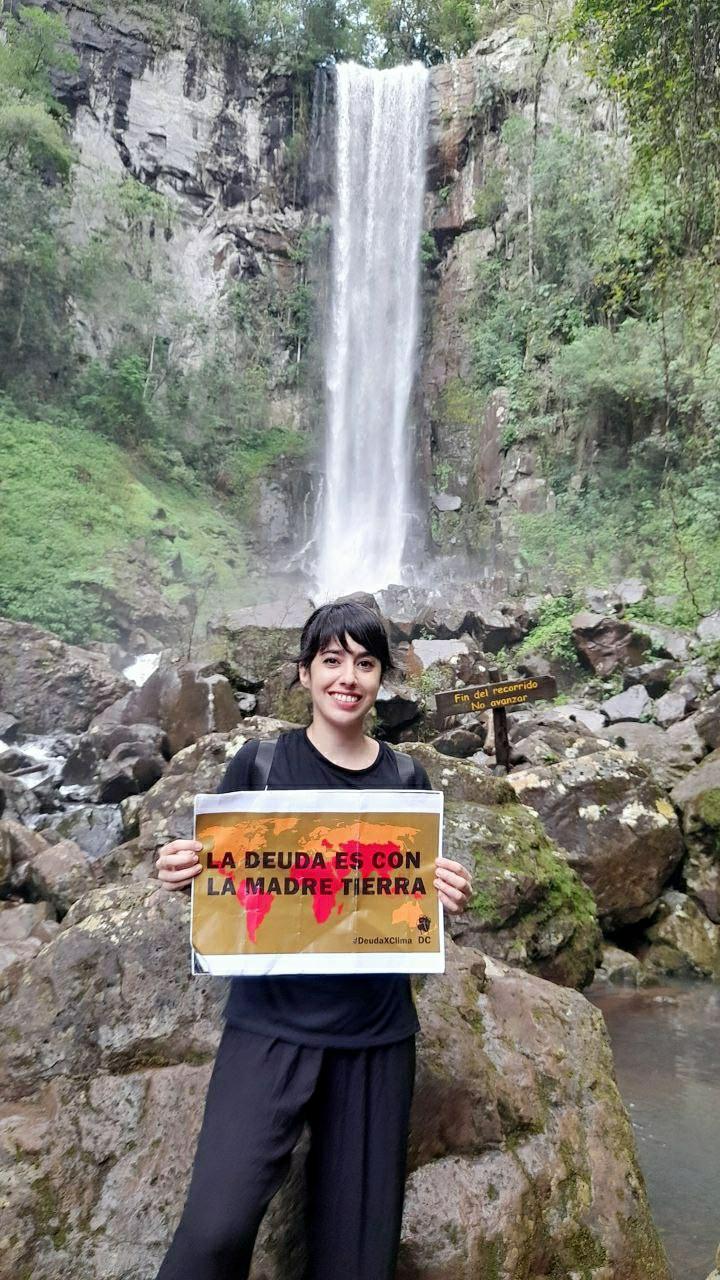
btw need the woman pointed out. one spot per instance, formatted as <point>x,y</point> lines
<point>337,1052</point>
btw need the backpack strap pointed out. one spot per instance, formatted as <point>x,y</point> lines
<point>406,769</point>
<point>262,764</point>
<point>266,752</point>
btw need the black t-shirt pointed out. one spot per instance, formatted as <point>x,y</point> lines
<point>342,1012</point>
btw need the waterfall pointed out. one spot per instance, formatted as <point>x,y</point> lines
<point>373,326</point>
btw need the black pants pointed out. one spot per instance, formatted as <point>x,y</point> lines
<point>357,1103</point>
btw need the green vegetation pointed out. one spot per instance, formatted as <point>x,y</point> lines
<point>72,506</point>
<point>661,59</point>
<point>294,35</point>
<point>552,634</point>
<point>170,409</point>
<point>630,519</point>
<point>599,312</point>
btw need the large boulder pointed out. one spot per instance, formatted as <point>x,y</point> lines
<point>681,939</point>
<point>137,742</point>
<point>60,875</point>
<point>166,811</point>
<point>668,753</point>
<point>528,906</point>
<point>667,642</point>
<point>24,928</point>
<point>508,1179</point>
<point>284,697</point>
<point>17,800</point>
<point>46,683</point>
<point>707,722</point>
<point>634,703</point>
<point>187,700</point>
<point>96,828</point>
<point>521,1152</point>
<point>412,613</point>
<point>606,644</point>
<point>620,830</point>
<point>460,779</point>
<point>622,968</point>
<point>655,676</point>
<point>545,740</point>
<point>698,798</point>
<point>249,643</point>
<point>18,846</point>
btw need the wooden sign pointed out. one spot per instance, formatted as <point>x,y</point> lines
<point>506,693</point>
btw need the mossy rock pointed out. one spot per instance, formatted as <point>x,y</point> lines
<point>698,797</point>
<point>460,779</point>
<point>528,906</point>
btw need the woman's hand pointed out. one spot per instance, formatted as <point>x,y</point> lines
<point>453,884</point>
<point>178,863</point>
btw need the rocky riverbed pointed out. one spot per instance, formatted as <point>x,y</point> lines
<point>599,847</point>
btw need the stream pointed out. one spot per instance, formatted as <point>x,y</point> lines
<point>666,1044</point>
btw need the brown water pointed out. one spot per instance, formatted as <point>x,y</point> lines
<point>666,1044</point>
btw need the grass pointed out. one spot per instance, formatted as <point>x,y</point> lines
<point>71,506</point>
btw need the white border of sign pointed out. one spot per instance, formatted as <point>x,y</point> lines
<point>367,960</point>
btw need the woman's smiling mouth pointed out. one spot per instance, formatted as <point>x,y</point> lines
<point>346,699</point>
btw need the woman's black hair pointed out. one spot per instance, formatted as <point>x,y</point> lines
<point>344,618</point>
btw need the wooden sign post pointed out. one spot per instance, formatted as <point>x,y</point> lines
<point>496,698</point>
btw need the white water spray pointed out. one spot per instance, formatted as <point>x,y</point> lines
<point>374,323</point>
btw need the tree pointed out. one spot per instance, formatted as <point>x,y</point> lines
<point>661,57</point>
<point>32,45</point>
<point>35,161</point>
<point>425,30</point>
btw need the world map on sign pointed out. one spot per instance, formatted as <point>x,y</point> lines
<point>336,855</point>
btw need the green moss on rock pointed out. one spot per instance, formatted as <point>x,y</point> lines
<point>528,905</point>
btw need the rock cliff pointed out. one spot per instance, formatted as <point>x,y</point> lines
<point>227,142</point>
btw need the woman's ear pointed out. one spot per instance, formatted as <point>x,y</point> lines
<point>304,676</point>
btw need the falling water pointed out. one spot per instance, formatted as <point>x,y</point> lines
<point>380,128</point>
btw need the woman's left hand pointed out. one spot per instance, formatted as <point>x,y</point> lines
<point>453,884</point>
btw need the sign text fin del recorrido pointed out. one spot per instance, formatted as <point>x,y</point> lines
<point>506,693</point>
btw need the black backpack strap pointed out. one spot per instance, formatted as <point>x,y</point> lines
<point>262,764</point>
<point>406,769</point>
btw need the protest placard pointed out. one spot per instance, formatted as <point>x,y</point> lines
<point>317,882</point>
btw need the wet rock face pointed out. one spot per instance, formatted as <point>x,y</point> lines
<point>45,683</point>
<point>520,1145</point>
<point>194,123</point>
<point>246,650</point>
<point>619,828</point>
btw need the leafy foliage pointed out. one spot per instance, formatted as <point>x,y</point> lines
<point>425,30</point>
<point>661,57</point>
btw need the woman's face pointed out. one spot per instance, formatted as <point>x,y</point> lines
<point>343,683</point>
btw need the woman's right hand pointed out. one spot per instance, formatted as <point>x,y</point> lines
<point>178,863</point>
